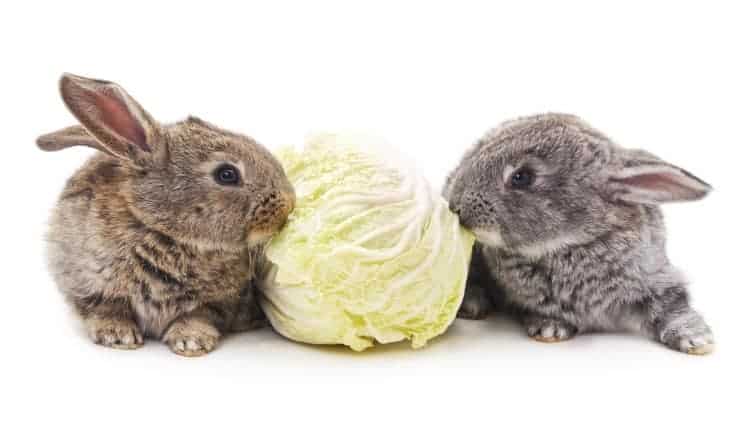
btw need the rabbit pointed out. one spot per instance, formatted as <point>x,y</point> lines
<point>570,237</point>
<point>156,236</point>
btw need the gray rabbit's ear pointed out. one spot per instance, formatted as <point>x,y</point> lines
<point>644,178</point>
<point>71,136</point>
<point>116,121</point>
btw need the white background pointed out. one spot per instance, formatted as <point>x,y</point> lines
<point>430,78</point>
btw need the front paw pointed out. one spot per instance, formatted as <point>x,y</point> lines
<point>548,330</point>
<point>688,334</point>
<point>192,337</point>
<point>476,305</point>
<point>116,333</point>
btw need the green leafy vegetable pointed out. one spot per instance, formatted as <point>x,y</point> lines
<point>370,253</point>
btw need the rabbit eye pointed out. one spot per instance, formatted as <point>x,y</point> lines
<point>227,175</point>
<point>522,178</point>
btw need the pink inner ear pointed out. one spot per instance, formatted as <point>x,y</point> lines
<point>654,181</point>
<point>664,185</point>
<point>116,115</point>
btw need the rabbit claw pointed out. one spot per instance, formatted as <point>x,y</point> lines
<point>115,333</point>
<point>549,330</point>
<point>192,337</point>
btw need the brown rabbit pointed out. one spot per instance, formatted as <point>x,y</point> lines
<point>150,237</point>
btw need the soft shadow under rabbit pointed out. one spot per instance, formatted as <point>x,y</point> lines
<point>570,235</point>
<point>150,237</point>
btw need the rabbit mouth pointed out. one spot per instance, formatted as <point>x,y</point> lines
<point>489,237</point>
<point>261,233</point>
<point>259,236</point>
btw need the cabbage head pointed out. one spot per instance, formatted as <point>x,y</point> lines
<point>371,253</point>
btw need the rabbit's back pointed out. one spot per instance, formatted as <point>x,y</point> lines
<point>81,256</point>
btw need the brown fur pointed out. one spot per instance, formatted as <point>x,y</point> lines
<point>144,241</point>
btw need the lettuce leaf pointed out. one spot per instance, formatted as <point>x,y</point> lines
<point>371,253</point>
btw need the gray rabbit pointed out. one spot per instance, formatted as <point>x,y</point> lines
<point>570,235</point>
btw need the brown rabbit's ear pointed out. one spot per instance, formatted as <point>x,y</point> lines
<point>71,136</point>
<point>644,178</point>
<point>119,124</point>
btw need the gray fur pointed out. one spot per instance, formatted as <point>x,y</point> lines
<point>582,248</point>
